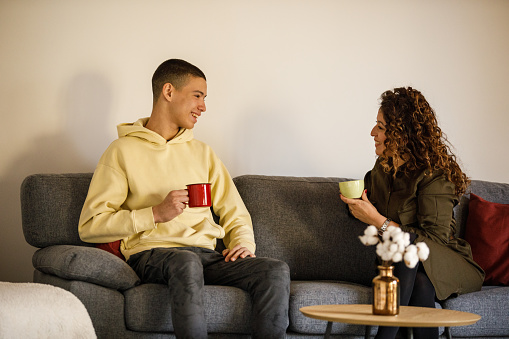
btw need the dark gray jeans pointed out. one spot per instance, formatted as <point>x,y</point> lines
<point>186,269</point>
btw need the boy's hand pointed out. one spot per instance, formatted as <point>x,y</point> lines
<point>236,252</point>
<point>172,206</point>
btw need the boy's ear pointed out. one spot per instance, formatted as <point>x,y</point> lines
<point>168,90</point>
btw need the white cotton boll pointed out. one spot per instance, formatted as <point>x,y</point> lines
<point>368,240</point>
<point>381,250</point>
<point>411,259</point>
<point>393,248</point>
<point>397,257</point>
<point>392,230</point>
<point>364,239</point>
<point>373,240</point>
<point>386,256</point>
<point>387,246</point>
<point>396,232</point>
<point>370,236</point>
<point>422,251</point>
<point>411,249</point>
<point>401,247</point>
<point>399,241</point>
<point>386,236</point>
<point>395,245</point>
<point>406,237</point>
<point>371,230</point>
<point>397,237</point>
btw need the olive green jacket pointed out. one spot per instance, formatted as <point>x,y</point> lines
<point>424,205</point>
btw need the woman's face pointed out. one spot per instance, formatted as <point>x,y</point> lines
<point>378,133</point>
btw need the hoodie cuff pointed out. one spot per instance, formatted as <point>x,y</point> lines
<point>143,220</point>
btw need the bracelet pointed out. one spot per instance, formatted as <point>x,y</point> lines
<point>384,226</point>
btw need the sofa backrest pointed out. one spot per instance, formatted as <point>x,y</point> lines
<point>303,222</point>
<point>296,219</point>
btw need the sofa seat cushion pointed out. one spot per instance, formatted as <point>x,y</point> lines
<point>491,303</point>
<point>308,293</point>
<point>147,309</point>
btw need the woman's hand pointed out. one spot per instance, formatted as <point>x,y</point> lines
<point>364,210</point>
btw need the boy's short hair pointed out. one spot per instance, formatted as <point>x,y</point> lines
<point>175,72</point>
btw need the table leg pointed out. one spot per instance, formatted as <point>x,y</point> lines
<point>448,334</point>
<point>367,334</point>
<point>328,330</point>
<point>410,333</point>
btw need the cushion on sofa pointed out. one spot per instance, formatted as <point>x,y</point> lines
<point>487,231</point>
<point>112,247</point>
<point>147,309</point>
<point>303,222</point>
<point>492,191</point>
<point>309,293</point>
<point>86,264</point>
<point>491,303</point>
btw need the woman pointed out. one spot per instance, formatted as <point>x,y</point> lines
<point>415,184</point>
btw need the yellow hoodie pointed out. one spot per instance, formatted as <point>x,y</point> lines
<point>137,171</point>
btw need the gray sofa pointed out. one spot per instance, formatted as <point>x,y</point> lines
<point>299,220</point>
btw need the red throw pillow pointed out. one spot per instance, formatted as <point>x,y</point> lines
<point>487,231</point>
<point>113,248</point>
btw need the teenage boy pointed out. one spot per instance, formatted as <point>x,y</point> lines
<point>137,195</point>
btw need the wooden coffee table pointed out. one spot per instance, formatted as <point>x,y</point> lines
<point>409,316</point>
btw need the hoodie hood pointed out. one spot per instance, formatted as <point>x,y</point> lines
<point>138,130</point>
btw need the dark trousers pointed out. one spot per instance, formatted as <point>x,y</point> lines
<point>415,290</point>
<point>186,269</point>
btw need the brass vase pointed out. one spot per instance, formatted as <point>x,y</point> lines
<point>386,292</point>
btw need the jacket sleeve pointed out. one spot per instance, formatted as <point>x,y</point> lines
<point>102,218</point>
<point>228,205</point>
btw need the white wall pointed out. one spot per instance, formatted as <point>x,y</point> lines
<point>293,85</point>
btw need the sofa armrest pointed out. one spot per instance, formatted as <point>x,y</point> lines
<point>88,264</point>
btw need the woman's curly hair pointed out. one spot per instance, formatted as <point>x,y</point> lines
<point>412,130</point>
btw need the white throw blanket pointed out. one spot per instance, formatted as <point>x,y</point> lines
<point>29,310</point>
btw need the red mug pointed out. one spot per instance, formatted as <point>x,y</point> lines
<point>199,195</point>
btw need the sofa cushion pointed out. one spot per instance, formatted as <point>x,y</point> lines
<point>488,234</point>
<point>86,264</point>
<point>491,191</point>
<point>303,222</point>
<point>147,309</point>
<point>309,293</point>
<point>491,303</point>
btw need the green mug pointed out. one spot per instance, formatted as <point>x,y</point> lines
<point>352,189</point>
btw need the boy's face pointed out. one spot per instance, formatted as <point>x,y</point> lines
<point>188,102</point>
